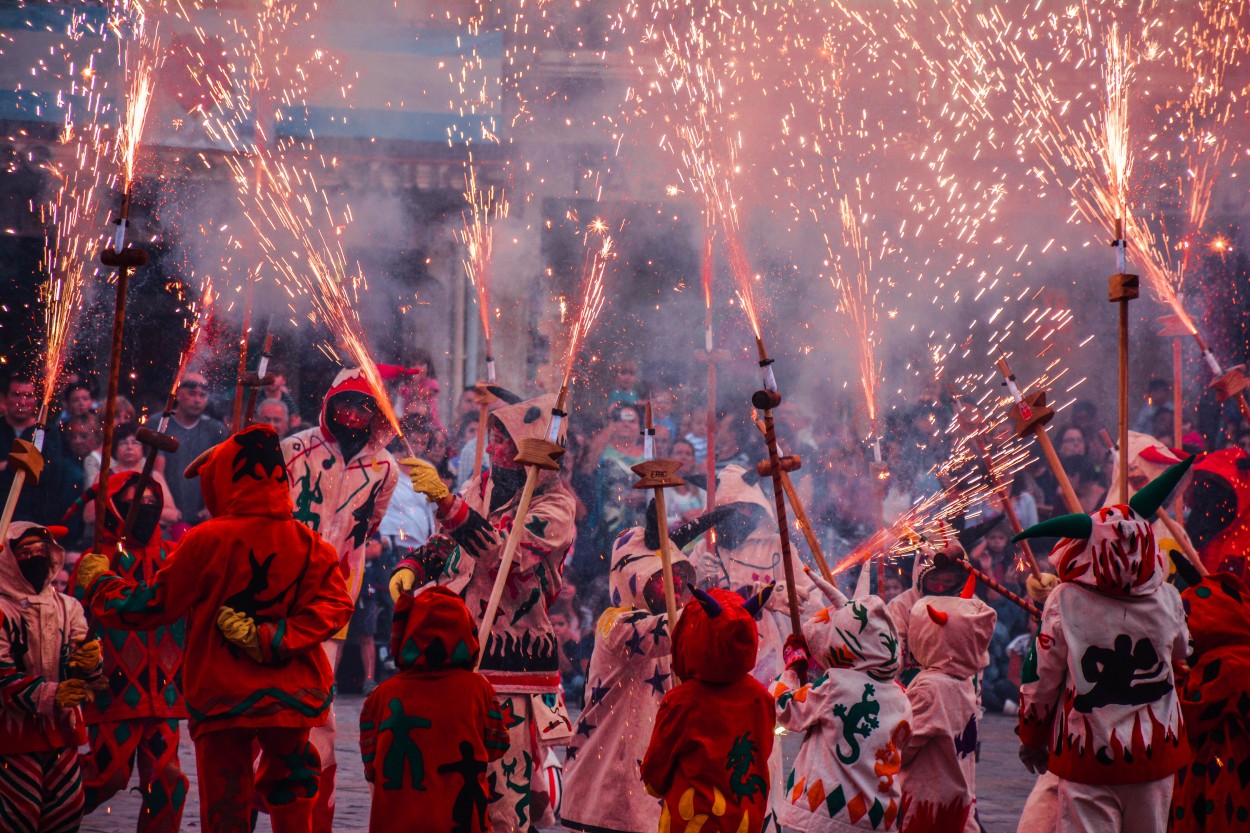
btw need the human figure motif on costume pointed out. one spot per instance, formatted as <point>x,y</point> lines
<point>520,658</point>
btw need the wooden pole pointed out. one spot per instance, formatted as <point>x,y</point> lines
<point>1001,590</point>
<point>1031,413</point>
<point>110,404</point>
<point>709,347</point>
<point>237,412</point>
<point>766,400</point>
<point>1178,430</point>
<point>791,462</point>
<point>505,563</point>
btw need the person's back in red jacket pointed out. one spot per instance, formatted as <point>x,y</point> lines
<point>275,585</point>
<point>708,756</point>
<point>427,734</point>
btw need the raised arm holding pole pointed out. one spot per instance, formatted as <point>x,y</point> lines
<point>1031,413</point>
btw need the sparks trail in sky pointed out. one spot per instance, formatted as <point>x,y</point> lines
<point>599,253</point>
<point>486,205</point>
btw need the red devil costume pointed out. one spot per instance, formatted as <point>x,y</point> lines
<point>41,643</point>
<point>1099,696</point>
<point>427,734</point>
<point>137,716</point>
<point>257,573</point>
<point>1219,519</point>
<point>708,756</point>
<point>1213,789</point>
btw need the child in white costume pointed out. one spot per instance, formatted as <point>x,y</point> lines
<point>853,715</point>
<point>630,672</point>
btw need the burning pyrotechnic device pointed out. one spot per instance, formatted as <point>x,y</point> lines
<point>1031,413</point>
<point>789,463</point>
<point>536,454</point>
<point>765,401</point>
<point>972,423</point>
<point>659,475</point>
<point>1122,288</point>
<point>710,354</point>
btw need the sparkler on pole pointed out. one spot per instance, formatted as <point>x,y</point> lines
<point>544,454</point>
<point>261,378</point>
<point>789,463</point>
<point>972,423</point>
<point>658,475</point>
<point>711,355</point>
<point>999,588</point>
<point>1031,413</point>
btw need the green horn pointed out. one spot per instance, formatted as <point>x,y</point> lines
<point>1153,495</point>
<point>1076,525</point>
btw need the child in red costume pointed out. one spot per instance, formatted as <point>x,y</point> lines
<point>137,715</point>
<point>708,756</point>
<point>260,592</point>
<point>1210,794</point>
<point>1219,517</point>
<point>1098,704</point>
<point>427,734</point>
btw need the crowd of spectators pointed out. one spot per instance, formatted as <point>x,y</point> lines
<point>604,441</point>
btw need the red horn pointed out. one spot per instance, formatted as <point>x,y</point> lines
<point>970,586</point>
<point>939,617</point>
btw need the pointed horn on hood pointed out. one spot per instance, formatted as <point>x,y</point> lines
<point>1075,525</point>
<point>504,394</point>
<point>863,585</point>
<point>835,596</point>
<point>758,599</point>
<point>970,586</point>
<point>939,617</point>
<point>687,532</point>
<point>1153,495</point>
<point>710,605</point>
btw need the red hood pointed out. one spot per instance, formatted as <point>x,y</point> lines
<point>1217,611</point>
<point>433,630</point>
<point>117,482</point>
<point>1234,539</point>
<point>246,475</point>
<point>351,380</point>
<point>717,649</point>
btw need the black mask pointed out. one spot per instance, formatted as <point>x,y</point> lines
<point>735,528</point>
<point>507,482</point>
<point>36,570</point>
<point>146,522</point>
<point>350,440</point>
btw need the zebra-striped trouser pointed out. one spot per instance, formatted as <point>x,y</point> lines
<point>40,792</point>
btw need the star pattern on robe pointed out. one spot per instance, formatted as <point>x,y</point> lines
<point>657,680</point>
<point>585,727</point>
<point>660,631</point>
<point>537,526</point>
<point>634,643</point>
<point>597,692</point>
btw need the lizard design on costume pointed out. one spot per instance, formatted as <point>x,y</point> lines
<point>738,762</point>
<point>860,719</point>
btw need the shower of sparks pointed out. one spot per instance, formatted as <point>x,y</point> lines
<point>201,311</point>
<point>141,57</point>
<point>478,238</point>
<point>855,295</point>
<point>594,269</point>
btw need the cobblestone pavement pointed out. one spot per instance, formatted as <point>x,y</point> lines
<point>1002,782</point>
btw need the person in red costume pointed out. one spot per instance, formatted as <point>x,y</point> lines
<point>1219,516</point>
<point>137,715</point>
<point>1210,795</point>
<point>708,756</point>
<point>260,593</point>
<point>428,733</point>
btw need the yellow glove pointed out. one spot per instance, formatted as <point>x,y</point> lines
<point>90,567</point>
<point>239,630</point>
<point>425,479</point>
<point>70,693</point>
<point>402,582</point>
<point>1039,587</point>
<point>85,660</point>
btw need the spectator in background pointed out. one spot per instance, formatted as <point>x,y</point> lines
<point>1090,491</point>
<point>616,448</point>
<point>363,627</point>
<point>694,431</point>
<point>43,502</point>
<point>734,433</point>
<point>574,650</point>
<point>124,412</point>
<point>466,441</point>
<point>1158,395</point>
<point>83,437</point>
<point>685,503</point>
<point>279,392</point>
<point>128,454</point>
<point>625,383</point>
<point>664,412</point>
<point>196,433</point>
<point>276,413</point>
<point>79,400</point>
